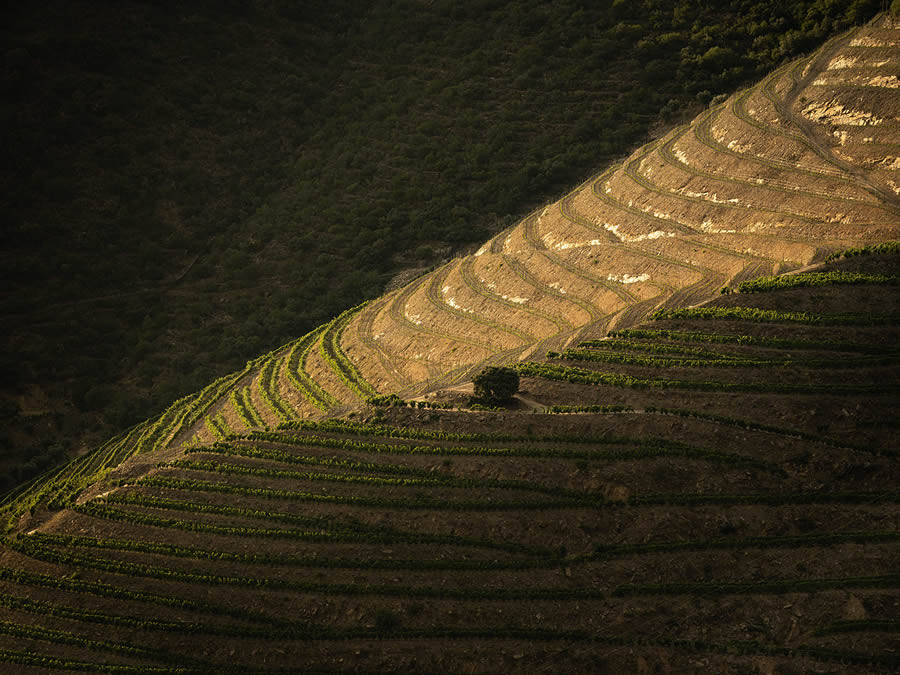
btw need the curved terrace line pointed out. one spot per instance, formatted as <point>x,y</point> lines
<point>476,285</point>
<point>397,308</point>
<point>365,331</point>
<point>531,236</point>
<point>436,297</point>
<point>667,152</point>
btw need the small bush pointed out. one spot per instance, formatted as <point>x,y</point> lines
<point>496,384</point>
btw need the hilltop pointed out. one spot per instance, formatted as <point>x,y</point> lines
<point>699,472</point>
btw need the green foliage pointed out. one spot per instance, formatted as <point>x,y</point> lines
<point>604,409</point>
<point>297,375</point>
<point>267,385</point>
<point>597,378</point>
<point>775,316</point>
<point>750,340</point>
<point>330,348</point>
<point>394,401</point>
<point>815,279</point>
<point>495,384</point>
<point>884,248</point>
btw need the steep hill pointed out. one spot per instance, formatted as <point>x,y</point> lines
<point>700,473</point>
<point>772,180</point>
<point>190,185</point>
<point>714,491</point>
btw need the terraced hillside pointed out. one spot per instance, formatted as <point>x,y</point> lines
<point>774,179</point>
<point>715,490</point>
<point>696,480</point>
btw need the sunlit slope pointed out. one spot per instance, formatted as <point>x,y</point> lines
<point>717,492</point>
<point>750,187</point>
<point>803,163</point>
<point>772,179</point>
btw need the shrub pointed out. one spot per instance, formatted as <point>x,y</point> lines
<point>496,384</point>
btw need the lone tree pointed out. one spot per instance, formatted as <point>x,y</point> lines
<point>496,385</point>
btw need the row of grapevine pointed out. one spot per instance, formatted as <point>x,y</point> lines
<point>267,385</point>
<point>394,401</point>
<point>806,279</point>
<point>330,348</point>
<point>592,377</point>
<point>601,409</point>
<point>883,248</point>
<point>297,375</point>
<point>709,361</point>
<point>354,530</point>
<point>642,448</point>
<point>776,316</point>
<point>749,340</point>
<point>218,426</point>
<point>246,411</point>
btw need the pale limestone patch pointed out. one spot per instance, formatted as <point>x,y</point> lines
<point>738,147</point>
<point>682,157</point>
<point>841,136</point>
<point>835,113</point>
<point>455,305</point>
<point>493,287</point>
<point>708,226</point>
<point>657,234</point>
<point>891,163</point>
<point>889,81</point>
<point>868,41</point>
<point>556,285</point>
<point>484,249</point>
<point>894,186</point>
<point>628,278</point>
<point>842,62</point>
<point>564,246</point>
<point>714,197</point>
<point>415,318</point>
<point>549,239</point>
